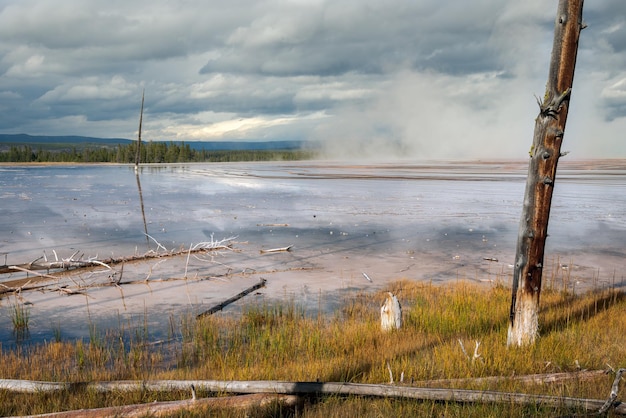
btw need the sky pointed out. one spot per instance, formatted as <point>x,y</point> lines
<point>422,79</point>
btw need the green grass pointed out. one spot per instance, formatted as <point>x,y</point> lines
<point>20,317</point>
<point>442,326</point>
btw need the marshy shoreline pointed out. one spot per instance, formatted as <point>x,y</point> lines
<point>432,222</point>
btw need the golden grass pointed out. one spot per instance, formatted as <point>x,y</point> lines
<point>442,327</point>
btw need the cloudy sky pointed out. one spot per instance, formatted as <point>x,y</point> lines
<point>418,78</point>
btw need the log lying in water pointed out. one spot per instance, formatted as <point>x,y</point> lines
<point>235,298</point>
<point>71,263</point>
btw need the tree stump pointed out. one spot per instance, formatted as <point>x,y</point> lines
<point>391,313</point>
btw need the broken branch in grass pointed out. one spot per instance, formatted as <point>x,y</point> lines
<point>390,373</point>
<point>613,395</point>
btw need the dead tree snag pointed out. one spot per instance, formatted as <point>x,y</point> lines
<point>544,156</point>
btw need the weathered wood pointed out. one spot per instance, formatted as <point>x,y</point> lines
<point>614,390</point>
<point>69,264</point>
<point>138,153</point>
<point>544,156</point>
<point>277,250</point>
<point>50,265</point>
<point>171,408</point>
<point>317,388</point>
<point>536,379</point>
<point>391,313</point>
<point>235,298</point>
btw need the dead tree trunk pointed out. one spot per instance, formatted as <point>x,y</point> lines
<point>544,156</point>
<point>391,313</point>
<point>138,151</point>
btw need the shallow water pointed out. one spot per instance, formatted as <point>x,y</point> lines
<point>442,211</point>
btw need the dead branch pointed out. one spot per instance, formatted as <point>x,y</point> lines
<point>70,263</point>
<point>66,264</point>
<point>235,298</point>
<point>277,250</point>
<point>187,262</point>
<point>71,292</point>
<point>156,242</point>
<point>614,389</point>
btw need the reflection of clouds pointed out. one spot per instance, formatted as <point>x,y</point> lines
<point>405,207</point>
<point>241,183</point>
<point>616,222</point>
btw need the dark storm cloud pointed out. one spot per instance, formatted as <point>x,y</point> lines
<point>361,74</point>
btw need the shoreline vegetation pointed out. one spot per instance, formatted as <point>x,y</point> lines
<point>151,152</point>
<point>453,337</point>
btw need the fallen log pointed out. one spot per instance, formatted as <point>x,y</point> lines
<point>235,298</point>
<point>166,409</point>
<point>49,265</point>
<point>70,263</point>
<point>537,379</point>
<point>277,250</point>
<point>317,388</point>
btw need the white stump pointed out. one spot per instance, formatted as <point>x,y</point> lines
<point>391,313</point>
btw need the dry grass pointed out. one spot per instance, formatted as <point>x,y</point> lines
<point>438,340</point>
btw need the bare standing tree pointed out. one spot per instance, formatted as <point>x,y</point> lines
<point>137,160</point>
<point>138,153</point>
<point>544,156</point>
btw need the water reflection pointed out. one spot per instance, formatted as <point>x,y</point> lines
<point>143,211</point>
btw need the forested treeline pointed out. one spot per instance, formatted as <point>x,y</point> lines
<point>151,152</point>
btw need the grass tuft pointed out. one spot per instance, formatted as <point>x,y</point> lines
<point>20,317</point>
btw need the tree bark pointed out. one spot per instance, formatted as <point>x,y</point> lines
<point>544,156</point>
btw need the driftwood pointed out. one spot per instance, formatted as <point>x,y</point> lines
<point>70,263</point>
<point>50,265</point>
<point>277,250</point>
<point>614,389</point>
<point>317,388</point>
<point>235,298</point>
<point>160,409</point>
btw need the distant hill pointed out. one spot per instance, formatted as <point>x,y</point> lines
<point>64,142</point>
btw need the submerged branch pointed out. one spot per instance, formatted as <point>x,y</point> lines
<point>235,298</point>
<point>58,266</point>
